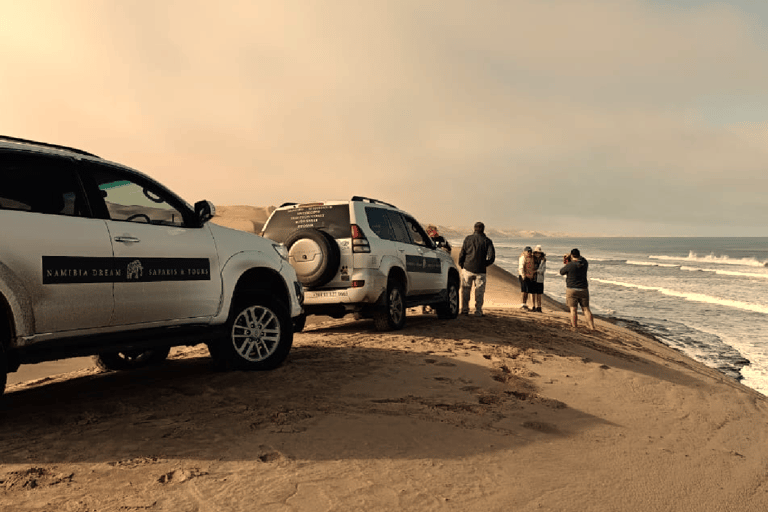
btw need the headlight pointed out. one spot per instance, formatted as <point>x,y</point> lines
<point>281,250</point>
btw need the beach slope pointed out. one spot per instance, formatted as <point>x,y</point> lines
<point>513,411</point>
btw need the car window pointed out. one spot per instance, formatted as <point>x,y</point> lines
<point>378,220</point>
<point>40,184</point>
<point>417,233</point>
<point>130,199</point>
<point>333,219</point>
<point>398,227</point>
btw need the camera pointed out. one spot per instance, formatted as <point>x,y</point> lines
<point>566,259</point>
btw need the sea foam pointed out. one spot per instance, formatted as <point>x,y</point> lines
<point>651,264</point>
<point>696,297</point>
<point>724,272</point>
<point>711,258</point>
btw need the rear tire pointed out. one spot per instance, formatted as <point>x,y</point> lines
<point>391,316</point>
<point>131,359</point>
<point>259,335</point>
<point>449,309</point>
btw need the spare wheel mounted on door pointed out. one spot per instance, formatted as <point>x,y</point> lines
<point>315,256</point>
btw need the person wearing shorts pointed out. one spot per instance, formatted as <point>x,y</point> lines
<point>525,272</point>
<point>577,287</point>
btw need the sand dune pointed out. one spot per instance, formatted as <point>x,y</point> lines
<point>512,411</point>
<point>243,217</point>
<point>252,218</point>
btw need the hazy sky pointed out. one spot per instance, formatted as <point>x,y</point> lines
<point>624,117</point>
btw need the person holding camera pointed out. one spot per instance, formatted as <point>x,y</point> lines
<point>525,273</point>
<point>576,287</point>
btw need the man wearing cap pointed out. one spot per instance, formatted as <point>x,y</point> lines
<point>525,272</point>
<point>476,254</point>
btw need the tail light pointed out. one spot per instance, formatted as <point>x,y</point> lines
<point>359,242</point>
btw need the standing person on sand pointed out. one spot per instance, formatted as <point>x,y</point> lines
<point>476,254</point>
<point>577,287</point>
<point>525,272</point>
<point>540,267</point>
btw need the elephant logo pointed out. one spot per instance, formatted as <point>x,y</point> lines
<point>134,270</point>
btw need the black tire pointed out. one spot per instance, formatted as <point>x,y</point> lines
<point>315,256</point>
<point>131,359</point>
<point>3,370</point>
<point>259,335</point>
<point>391,315</point>
<point>449,309</point>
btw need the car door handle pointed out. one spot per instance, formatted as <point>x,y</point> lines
<point>126,239</point>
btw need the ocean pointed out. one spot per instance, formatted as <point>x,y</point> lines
<point>707,297</point>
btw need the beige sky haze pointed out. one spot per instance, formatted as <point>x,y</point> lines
<point>621,117</point>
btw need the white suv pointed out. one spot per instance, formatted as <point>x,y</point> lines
<point>99,259</point>
<point>365,256</point>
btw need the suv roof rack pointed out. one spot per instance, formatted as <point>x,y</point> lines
<point>55,146</point>
<point>368,199</point>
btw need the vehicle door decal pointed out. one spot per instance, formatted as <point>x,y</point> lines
<point>77,269</point>
<point>422,264</point>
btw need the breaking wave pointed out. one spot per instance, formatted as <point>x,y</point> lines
<point>724,272</point>
<point>711,258</point>
<point>695,297</point>
<point>652,263</point>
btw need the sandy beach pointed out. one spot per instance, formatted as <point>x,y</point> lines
<point>512,411</point>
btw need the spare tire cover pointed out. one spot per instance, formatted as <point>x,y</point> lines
<point>315,256</point>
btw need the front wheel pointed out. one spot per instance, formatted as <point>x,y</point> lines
<point>391,315</point>
<point>259,335</point>
<point>449,309</point>
<point>131,359</point>
<point>3,370</point>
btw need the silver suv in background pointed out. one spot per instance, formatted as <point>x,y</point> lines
<point>99,259</point>
<point>364,256</point>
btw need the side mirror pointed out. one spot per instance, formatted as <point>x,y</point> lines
<point>204,211</point>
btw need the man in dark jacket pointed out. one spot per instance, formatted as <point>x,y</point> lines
<point>476,254</point>
<point>577,287</point>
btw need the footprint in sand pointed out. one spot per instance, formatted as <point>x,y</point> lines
<point>180,475</point>
<point>33,478</point>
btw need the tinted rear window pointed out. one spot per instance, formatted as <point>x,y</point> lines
<point>387,224</point>
<point>379,223</point>
<point>40,184</point>
<point>333,219</point>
